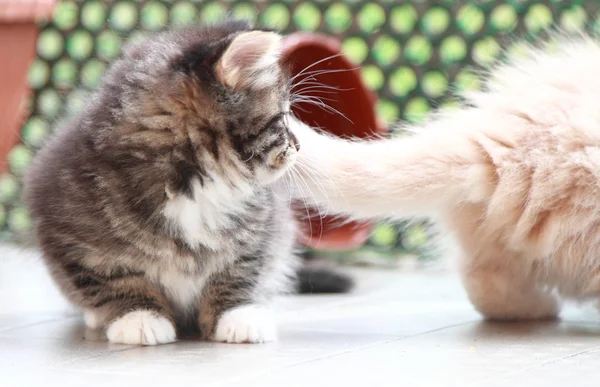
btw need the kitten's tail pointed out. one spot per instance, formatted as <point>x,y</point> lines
<point>322,280</point>
<point>422,174</point>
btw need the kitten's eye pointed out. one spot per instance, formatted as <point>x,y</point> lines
<point>273,122</point>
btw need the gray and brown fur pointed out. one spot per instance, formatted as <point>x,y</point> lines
<point>164,128</point>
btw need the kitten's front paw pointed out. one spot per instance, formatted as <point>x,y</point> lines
<point>142,327</point>
<point>246,324</point>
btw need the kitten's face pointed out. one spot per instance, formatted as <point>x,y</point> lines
<point>258,106</point>
<point>221,94</point>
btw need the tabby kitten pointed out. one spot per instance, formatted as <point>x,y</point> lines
<point>515,175</point>
<point>159,207</point>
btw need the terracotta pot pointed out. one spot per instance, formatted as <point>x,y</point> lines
<point>355,101</point>
<point>18,34</point>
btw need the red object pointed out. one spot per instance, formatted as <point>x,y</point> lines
<point>18,34</point>
<point>349,96</point>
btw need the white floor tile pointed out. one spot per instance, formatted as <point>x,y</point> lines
<point>396,328</point>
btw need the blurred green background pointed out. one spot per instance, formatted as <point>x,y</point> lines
<point>414,54</point>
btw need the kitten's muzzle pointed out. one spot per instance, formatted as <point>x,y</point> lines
<point>283,158</point>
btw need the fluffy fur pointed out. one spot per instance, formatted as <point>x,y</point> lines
<point>159,208</point>
<point>515,175</point>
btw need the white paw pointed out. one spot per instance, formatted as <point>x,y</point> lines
<point>246,324</point>
<point>141,327</point>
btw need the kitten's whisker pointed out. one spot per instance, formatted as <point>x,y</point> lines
<point>294,176</point>
<point>311,82</point>
<point>283,181</point>
<point>286,183</point>
<point>317,101</point>
<point>300,88</point>
<point>306,206</point>
<point>317,184</point>
<point>321,188</point>
<point>320,97</point>
<point>289,188</point>
<point>303,91</point>
<point>309,169</point>
<point>295,105</point>
<point>318,208</point>
<point>250,158</point>
<point>303,71</point>
<point>310,78</point>
<point>316,73</point>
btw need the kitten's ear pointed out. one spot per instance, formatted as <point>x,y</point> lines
<point>250,61</point>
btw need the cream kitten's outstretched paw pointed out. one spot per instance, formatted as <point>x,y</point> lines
<point>142,327</point>
<point>246,324</point>
<point>502,295</point>
<point>539,308</point>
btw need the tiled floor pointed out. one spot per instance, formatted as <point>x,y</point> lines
<point>396,329</point>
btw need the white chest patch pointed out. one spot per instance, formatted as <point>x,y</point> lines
<point>200,219</point>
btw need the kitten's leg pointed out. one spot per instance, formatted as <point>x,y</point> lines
<point>252,323</point>
<point>232,312</point>
<point>499,282</point>
<point>130,307</point>
<point>502,292</point>
<point>142,327</point>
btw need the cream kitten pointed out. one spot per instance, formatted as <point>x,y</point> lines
<point>515,175</point>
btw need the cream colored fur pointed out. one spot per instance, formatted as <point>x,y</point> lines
<point>515,175</point>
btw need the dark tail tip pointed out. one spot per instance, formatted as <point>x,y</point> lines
<point>322,280</point>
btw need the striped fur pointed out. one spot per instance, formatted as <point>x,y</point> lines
<point>159,205</point>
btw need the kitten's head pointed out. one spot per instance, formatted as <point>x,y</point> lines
<point>216,98</point>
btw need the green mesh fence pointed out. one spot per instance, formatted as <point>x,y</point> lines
<point>412,53</point>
